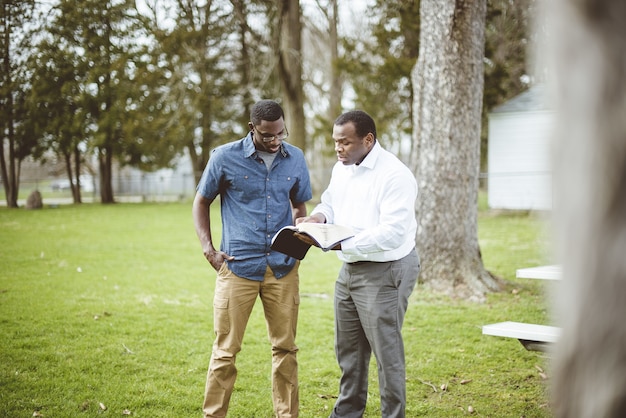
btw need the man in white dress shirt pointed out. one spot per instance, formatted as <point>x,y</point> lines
<point>373,192</point>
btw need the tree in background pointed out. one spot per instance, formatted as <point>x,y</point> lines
<point>198,50</point>
<point>57,107</point>
<point>290,69</point>
<point>97,88</point>
<point>323,82</point>
<point>448,83</point>
<point>378,67</point>
<point>221,56</point>
<point>182,74</point>
<point>109,32</point>
<point>15,129</point>
<point>335,92</point>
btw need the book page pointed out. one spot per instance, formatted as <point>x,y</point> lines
<point>327,235</point>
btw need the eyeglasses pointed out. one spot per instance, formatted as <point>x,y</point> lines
<point>267,139</point>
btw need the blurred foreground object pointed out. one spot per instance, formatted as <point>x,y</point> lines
<point>588,50</point>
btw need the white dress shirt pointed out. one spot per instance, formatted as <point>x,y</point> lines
<point>377,199</point>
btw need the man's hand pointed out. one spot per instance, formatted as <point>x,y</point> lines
<point>305,238</point>
<point>217,258</point>
<point>316,218</point>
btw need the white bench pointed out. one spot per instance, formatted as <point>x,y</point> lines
<point>532,336</point>
<point>552,272</point>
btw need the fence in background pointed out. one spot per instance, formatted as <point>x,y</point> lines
<point>149,187</point>
<point>177,186</point>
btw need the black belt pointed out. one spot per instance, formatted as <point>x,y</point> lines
<point>358,263</point>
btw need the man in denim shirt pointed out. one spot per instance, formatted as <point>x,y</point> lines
<point>263,184</point>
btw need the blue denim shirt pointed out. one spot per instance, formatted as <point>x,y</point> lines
<point>255,203</point>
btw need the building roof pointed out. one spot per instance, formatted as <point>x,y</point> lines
<point>533,99</point>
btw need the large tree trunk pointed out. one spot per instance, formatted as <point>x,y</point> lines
<point>290,70</point>
<point>448,83</point>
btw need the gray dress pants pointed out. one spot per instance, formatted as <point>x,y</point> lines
<point>371,300</point>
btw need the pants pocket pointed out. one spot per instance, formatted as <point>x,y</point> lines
<point>221,318</point>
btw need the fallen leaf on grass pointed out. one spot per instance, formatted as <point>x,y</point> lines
<point>470,409</point>
<point>542,374</point>
<point>465,381</point>
<point>102,406</point>
<point>126,412</point>
<point>429,384</point>
<point>444,387</point>
<point>97,316</point>
<point>37,414</point>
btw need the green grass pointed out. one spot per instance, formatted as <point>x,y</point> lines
<point>111,305</point>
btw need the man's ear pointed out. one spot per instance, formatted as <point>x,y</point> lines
<point>250,126</point>
<point>369,140</point>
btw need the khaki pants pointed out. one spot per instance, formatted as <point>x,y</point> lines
<point>234,299</point>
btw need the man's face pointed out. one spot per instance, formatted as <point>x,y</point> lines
<point>349,147</point>
<point>266,135</point>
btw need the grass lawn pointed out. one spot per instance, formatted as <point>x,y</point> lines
<point>106,311</point>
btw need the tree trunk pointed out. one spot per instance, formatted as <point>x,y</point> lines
<point>448,83</point>
<point>76,190</point>
<point>290,71</point>
<point>197,162</point>
<point>336,84</point>
<point>67,159</point>
<point>105,162</point>
<point>10,176</point>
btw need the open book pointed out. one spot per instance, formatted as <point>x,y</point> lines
<point>325,235</point>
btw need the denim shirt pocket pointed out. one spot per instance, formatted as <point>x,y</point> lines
<point>248,188</point>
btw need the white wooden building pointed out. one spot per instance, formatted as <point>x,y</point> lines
<point>519,168</point>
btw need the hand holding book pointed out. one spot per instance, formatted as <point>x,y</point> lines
<point>295,241</point>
